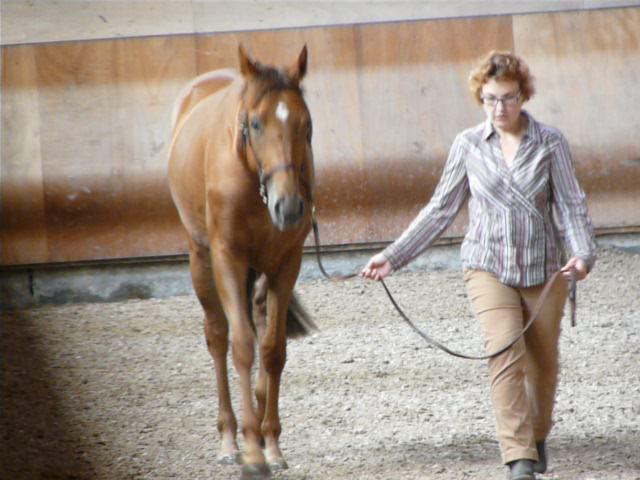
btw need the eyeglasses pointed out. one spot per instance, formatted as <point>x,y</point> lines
<point>507,101</point>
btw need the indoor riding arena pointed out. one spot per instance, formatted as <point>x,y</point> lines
<point>104,367</point>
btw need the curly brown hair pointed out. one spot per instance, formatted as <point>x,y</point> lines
<point>501,66</point>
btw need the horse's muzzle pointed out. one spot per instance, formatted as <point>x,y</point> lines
<point>287,211</point>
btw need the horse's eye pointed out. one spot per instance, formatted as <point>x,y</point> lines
<point>256,125</point>
<point>309,134</point>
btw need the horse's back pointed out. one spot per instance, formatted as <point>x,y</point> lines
<point>199,107</point>
<point>197,89</point>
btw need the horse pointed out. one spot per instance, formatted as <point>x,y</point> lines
<point>241,177</point>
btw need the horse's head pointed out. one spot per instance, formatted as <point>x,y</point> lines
<point>277,137</point>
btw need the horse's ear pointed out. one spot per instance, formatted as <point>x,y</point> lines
<point>248,67</point>
<point>298,70</point>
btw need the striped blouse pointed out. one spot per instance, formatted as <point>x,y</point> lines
<point>520,216</point>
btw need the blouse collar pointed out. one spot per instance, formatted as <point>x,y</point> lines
<point>533,128</point>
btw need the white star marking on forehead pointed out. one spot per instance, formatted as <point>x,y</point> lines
<point>282,112</point>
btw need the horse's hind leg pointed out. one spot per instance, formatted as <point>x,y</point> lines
<point>217,335</point>
<point>259,306</point>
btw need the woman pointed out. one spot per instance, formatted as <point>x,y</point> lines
<point>519,177</point>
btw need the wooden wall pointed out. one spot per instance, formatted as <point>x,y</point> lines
<point>85,124</point>
<point>45,21</point>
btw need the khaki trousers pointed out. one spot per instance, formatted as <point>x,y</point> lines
<point>524,378</point>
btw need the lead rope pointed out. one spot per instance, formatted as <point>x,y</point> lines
<point>534,314</point>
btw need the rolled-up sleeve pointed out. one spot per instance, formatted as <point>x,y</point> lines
<point>437,215</point>
<point>570,202</point>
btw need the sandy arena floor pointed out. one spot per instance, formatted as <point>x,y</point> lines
<point>126,390</point>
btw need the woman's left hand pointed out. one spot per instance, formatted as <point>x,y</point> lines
<point>578,265</point>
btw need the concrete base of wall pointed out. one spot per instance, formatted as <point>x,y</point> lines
<point>36,286</point>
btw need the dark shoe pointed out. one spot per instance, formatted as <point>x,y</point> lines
<point>541,465</point>
<point>521,470</point>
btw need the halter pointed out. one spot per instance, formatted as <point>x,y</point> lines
<point>263,176</point>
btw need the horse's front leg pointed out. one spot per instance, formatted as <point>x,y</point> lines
<point>230,275</point>
<point>273,352</point>
<point>217,336</point>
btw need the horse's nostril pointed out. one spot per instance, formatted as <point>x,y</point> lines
<point>288,210</point>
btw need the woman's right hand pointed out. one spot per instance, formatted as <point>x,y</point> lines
<point>377,268</point>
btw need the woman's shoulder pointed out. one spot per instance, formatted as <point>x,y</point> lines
<point>472,135</point>
<point>547,134</point>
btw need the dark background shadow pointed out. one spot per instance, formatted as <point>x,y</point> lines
<point>39,435</point>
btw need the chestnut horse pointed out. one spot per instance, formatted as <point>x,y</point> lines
<point>241,177</point>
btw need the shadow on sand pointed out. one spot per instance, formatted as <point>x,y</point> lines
<point>40,437</point>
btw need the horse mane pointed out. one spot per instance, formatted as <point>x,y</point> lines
<point>271,79</point>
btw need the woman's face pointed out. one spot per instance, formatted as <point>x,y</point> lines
<point>502,103</point>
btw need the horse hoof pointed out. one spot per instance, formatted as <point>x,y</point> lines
<point>229,459</point>
<point>255,472</point>
<point>277,465</point>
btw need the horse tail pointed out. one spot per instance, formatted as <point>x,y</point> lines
<point>299,322</point>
